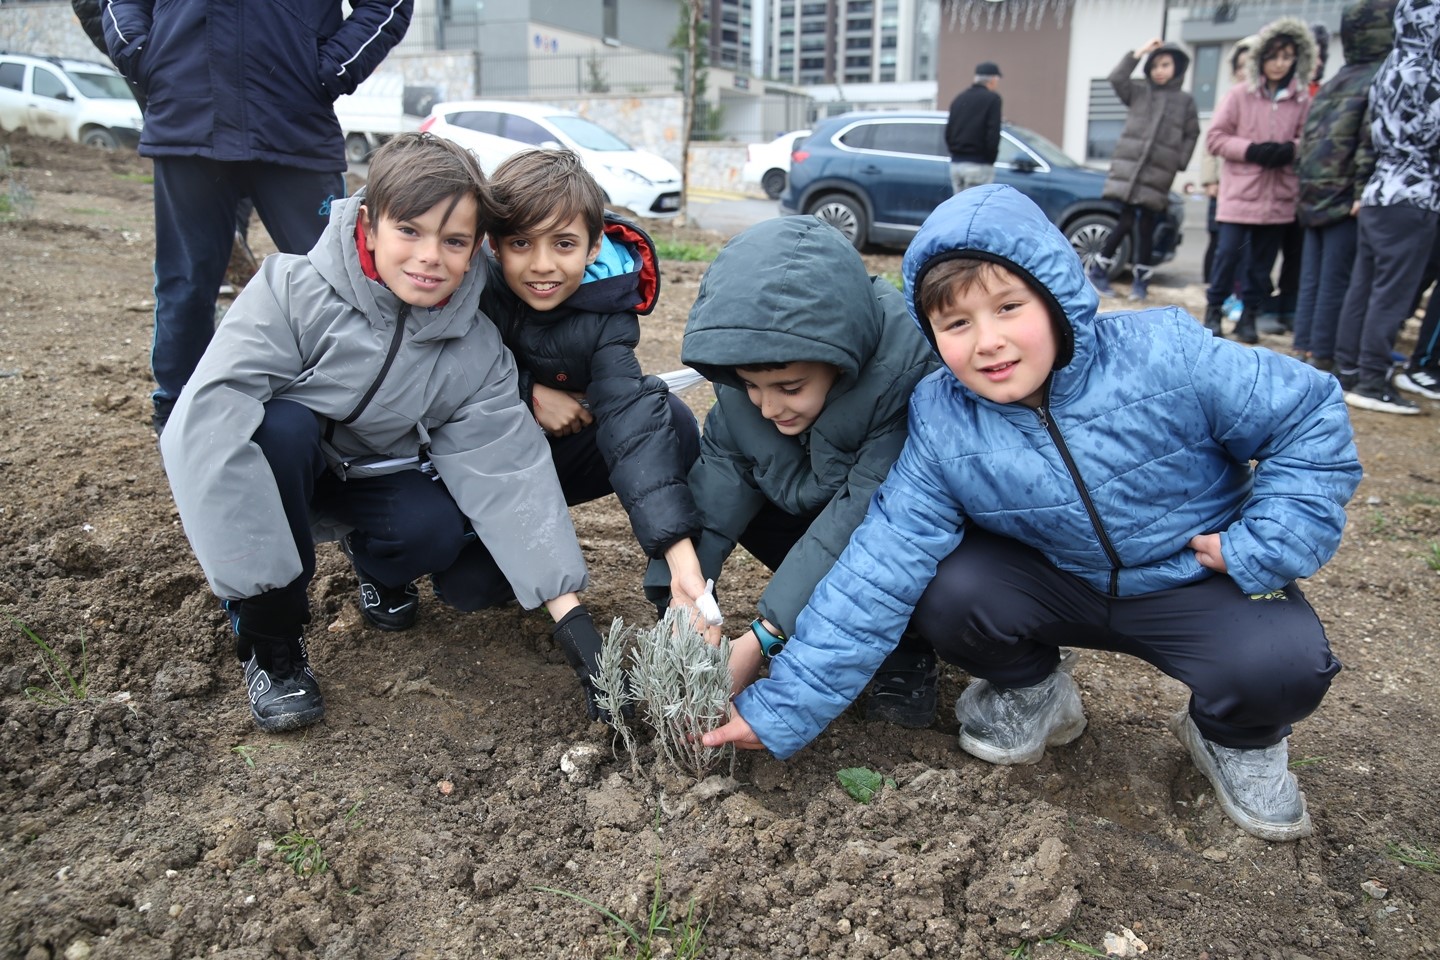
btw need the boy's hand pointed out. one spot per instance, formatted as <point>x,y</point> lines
<point>559,413</point>
<point>1155,44</point>
<point>745,660</point>
<point>736,731</point>
<point>1207,551</point>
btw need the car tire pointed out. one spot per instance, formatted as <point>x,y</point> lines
<point>100,138</point>
<point>773,183</point>
<point>1087,235</point>
<point>844,213</point>
<point>357,148</point>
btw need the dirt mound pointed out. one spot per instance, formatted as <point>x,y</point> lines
<point>149,819</point>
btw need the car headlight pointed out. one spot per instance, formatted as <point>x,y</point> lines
<point>630,175</point>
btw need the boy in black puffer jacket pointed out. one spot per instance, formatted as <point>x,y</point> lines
<point>568,282</point>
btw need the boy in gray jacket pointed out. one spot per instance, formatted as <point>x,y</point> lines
<point>813,362</point>
<point>359,391</point>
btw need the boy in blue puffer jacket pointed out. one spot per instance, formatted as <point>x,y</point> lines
<point>1084,480</point>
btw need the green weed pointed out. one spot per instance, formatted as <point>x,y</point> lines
<point>1305,762</point>
<point>897,279</point>
<point>136,177</point>
<point>302,854</point>
<point>661,937</point>
<point>862,783</point>
<point>73,688</point>
<point>1432,556</point>
<point>683,251</point>
<point>1413,855</point>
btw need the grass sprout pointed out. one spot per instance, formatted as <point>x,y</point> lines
<point>65,686</point>
<point>662,936</point>
<point>1432,556</point>
<point>1414,855</point>
<point>681,250</point>
<point>301,853</point>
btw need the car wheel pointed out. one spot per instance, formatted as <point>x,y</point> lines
<point>357,148</point>
<point>845,214</point>
<point>100,138</point>
<point>773,183</point>
<point>1087,235</point>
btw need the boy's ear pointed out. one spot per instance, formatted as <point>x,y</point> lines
<point>367,227</point>
<point>594,249</point>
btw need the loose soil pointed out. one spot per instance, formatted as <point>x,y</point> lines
<point>456,773</point>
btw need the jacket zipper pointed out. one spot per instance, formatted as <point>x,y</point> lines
<point>395,341</point>
<point>1053,429</point>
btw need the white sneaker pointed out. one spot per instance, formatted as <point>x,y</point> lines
<point>1015,725</point>
<point>1254,787</point>
<point>1422,380</point>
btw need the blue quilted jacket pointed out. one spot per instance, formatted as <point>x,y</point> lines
<point>1152,432</point>
<point>255,80</point>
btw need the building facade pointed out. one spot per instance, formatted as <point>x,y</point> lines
<point>813,42</point>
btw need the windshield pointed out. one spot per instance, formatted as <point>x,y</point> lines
<point>103,86</point>
<point>1048,151</point>
<point>588,135</point>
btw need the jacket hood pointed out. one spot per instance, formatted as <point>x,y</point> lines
<point>1417,32</point>
<point>785,290</point>
<point>1298,32</point>
<point>635,291</point>
<point>1181,58</point>
<point>335,258</point>
<point>1000,224</point>
<point>1367,30</point>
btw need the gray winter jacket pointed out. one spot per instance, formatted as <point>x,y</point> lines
<point>389,384</point>
<point>1161,130</point>
<point>789,290</point>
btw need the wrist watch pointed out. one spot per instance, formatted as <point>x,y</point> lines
<point>770,643</point>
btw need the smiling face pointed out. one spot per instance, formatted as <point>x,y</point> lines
<point>422,260</point>
<point>997,338</point>
<point>792,397</point>
<point>546,265</point>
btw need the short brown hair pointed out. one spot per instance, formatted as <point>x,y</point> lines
<point>942,283</point>
<point>412,172</point>
<point>541,187</point>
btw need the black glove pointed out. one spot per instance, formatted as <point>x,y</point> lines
<point>1284,153</point>
<point>1261,152</point>
<point>580,642</point>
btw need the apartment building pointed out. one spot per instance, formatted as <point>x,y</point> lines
<point>812,42</point>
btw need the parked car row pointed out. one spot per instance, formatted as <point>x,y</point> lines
<point>877,176</point>
<point>78,100</point>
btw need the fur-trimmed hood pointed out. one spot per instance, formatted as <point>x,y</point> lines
<point>1298,31</point>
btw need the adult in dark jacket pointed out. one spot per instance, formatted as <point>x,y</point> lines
<point>1161,130</point>
<point>1335,162</point>
<point>568,284</point>
<point>972,133</point>
<point>239,102</point>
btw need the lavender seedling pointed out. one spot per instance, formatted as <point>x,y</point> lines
<point>684,684</point>
<point>615,693</point>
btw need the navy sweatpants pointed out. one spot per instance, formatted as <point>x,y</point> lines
<point>195,214</point>
<point>1254,665</point>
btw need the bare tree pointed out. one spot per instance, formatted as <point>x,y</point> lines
<point>691,63</point>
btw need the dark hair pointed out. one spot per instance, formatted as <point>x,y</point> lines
<point>762,367</point>
<point>413,172</point>
<point>1238,54</point>
<point>1277,43</point>
<point>541,187</point>
<point>950,279</point>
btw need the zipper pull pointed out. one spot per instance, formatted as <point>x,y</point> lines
<point>1044,417</point>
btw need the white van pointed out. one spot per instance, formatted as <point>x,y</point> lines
<point>78,100</point>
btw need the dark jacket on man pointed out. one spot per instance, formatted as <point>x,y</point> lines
<point>973,131</point>
<point>587,345</point>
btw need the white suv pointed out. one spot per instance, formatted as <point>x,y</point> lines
<point>638,180</point>
<point>78,100</point>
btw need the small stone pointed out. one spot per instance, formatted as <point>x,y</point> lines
<point>176,910</point>
<point>842,926</point>
<point>1215,855</point>
<point>445,787</point>
<point>79,950</point>
<point>1374,889</point>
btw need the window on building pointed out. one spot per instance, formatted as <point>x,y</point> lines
<point>1204,75</point>
<point>1106,121</point>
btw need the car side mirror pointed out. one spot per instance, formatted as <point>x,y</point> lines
<point>64,95</point>
<point>1025,164</point>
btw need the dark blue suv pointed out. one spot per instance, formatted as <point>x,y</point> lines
<point>877,176</point>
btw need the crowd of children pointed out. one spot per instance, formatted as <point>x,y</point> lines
<point>938,475</point>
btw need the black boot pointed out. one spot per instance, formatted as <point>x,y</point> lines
<point>1245,326</point>
<point>1215,319</point>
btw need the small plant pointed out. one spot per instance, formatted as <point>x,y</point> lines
<point>302,853</point>
<point>247,753</point>
<point>684,251</point>
<point>862,783</point>
<point>683,938</point>
<point>73,688</point>
<point>1305,762</point>
<point>1432,556</point>
<point>1414,855</point>
<point>682,683</point>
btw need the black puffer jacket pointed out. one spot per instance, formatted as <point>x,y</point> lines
<point>587,345</point>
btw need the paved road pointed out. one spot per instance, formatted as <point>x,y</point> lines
<point>730,213</point>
